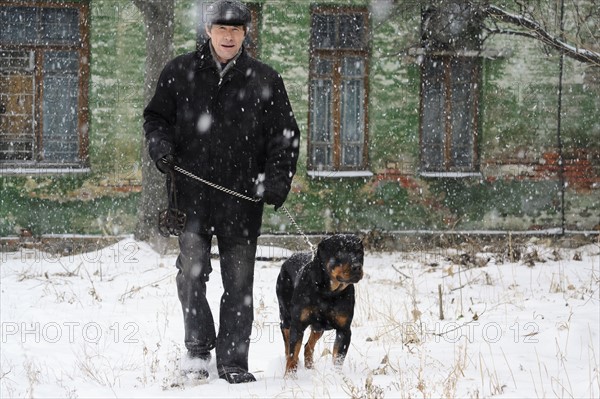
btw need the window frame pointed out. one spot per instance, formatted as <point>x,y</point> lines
<point>82,48</point>
<point>337,55</point>
<point>448,167</point>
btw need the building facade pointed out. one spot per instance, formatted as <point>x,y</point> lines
<point>405,125</point>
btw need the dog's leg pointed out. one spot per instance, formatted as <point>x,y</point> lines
<point>286,340</point>
<point>296,335</point>
<point>309,348</point>
<point>341,345</point>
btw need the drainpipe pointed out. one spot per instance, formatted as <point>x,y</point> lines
<point>561,164</point>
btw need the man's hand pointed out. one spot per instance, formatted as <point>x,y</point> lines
<point>273,198</point>
<point>166,163</point>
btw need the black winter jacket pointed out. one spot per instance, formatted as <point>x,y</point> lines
<point>233,132</point>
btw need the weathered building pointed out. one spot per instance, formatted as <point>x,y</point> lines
<point>407,122</point>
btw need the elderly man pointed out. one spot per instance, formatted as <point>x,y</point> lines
<point>225,117</point>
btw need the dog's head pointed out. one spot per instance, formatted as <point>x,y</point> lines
<point>342,257</point>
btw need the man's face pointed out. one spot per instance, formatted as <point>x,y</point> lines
<point>226,40</point>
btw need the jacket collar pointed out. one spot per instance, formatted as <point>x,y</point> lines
<point>206,59</point>
<point>230,64</point>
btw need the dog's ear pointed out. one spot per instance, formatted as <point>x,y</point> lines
<point>357,244</point>
<point>326,250</point>
<point>355,248</point>
<point>330,246</point>
<point>351,243</point>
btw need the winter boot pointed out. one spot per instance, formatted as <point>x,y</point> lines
<point>237,377</point>
<point>195,365</point>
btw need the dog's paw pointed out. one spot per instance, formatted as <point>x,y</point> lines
<point>291,375</point>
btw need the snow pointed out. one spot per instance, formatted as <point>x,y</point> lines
<point>108,324</point>
<point>34,171</point>
<point>455,175</point>
<point>338,174</point>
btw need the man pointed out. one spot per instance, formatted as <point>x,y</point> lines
<point>226,118</point>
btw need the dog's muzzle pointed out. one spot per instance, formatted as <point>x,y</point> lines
<point>355,275</point>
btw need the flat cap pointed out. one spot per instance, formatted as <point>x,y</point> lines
<point>227,12</point>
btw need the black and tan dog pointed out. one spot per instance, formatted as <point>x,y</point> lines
<point>319,292</point>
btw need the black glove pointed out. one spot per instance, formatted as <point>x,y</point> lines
<point>166,163</point>
<point>272,198</point>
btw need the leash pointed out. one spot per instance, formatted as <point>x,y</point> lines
<point>289,215</point>
<point>213,185</point>
<point>245,197</point>
<point>171,221</point>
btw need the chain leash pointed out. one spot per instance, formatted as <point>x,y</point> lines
<point>236,194</point>
<point>213,185</point>
<point>289,215</point>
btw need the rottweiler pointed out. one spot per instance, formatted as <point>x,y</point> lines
<point>318,291</point>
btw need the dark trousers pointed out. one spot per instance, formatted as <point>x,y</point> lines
<point>236,314</point>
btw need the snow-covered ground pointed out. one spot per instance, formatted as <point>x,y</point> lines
<point>108,324</point>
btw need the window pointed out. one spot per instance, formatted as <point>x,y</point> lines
<point>338,89</point>
<point>44,74</point>
<point>449,109</point>
<point>451,58</point>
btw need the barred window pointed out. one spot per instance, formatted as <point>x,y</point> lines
<point>44,74</point>
<point>449,112</point>
<point>338,89</point>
